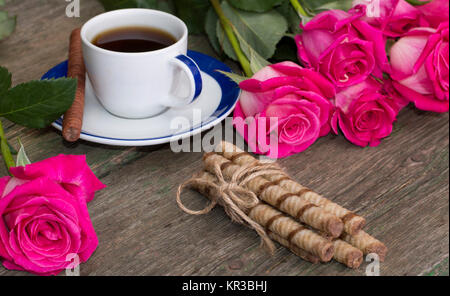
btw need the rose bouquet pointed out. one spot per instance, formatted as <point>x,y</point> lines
<point>321,66</point>
<point>358,70</point>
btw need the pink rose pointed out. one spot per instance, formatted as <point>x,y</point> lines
<point>393,17</point>
<point>342,47</point>
<point>365,113</point>
<point>436,12</point>
<point>45,220</point>
<point>289,101</point>
<point>420,67</point>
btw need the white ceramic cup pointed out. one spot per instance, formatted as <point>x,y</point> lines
<point>140,85</point>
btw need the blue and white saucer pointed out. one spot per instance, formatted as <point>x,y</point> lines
<point>216,102</point>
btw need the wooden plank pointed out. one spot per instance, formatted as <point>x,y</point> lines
<point>400,186</point>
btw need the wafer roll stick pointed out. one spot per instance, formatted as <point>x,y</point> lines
<point>352,222</point>
<point>347,254</point>
<point>292,231</point>
<point>73,118</point>
<point>273,219</point>
<point>294,249</point>
<point>291,203</point>
<point>344,252</point>
<point>260,215</point>
<point>366,243</point>
<point>287,202</point>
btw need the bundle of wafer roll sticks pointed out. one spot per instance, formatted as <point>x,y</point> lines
<point>263,197</point>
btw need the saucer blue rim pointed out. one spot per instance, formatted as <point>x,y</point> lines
<point>209,65</point>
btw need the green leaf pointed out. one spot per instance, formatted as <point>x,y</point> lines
<point>37,104</point>
<point>316,6</point>
<point>255,5</point>
<point>417,2</point>
<point>233,76</point>
<point>225,43</point>
<point>257,62</point>
<point>7,24</point>
<point>337,4</point>
<point>193,13</point>
<point>22,158</point>
<point>211,30</point>
<point>5,80</point>
<point>262,31</point>
<point>291,16</point>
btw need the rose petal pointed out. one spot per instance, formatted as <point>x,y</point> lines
<point>70,169</point>
<point>404,54</point>
<point>427,103</point>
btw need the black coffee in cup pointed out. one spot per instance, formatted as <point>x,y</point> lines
<point>134,39</point>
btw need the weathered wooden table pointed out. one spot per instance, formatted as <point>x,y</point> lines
<point>401,187</point>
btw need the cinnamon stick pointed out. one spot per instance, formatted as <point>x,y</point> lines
<point>352,222</point>
<point>73,118</point>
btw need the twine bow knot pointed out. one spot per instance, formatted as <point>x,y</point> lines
<point>232,195</point>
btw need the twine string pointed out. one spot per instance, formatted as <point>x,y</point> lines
<point>233,196</point>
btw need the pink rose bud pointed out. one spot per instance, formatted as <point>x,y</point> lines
<point>365,113</point>
<point>393,17</point>
<point>342,47</point>
<point>288,100</point>
<point>420,67</point>
<point>44,217</point>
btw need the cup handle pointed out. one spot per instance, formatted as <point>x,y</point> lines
<point>194,75</point>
